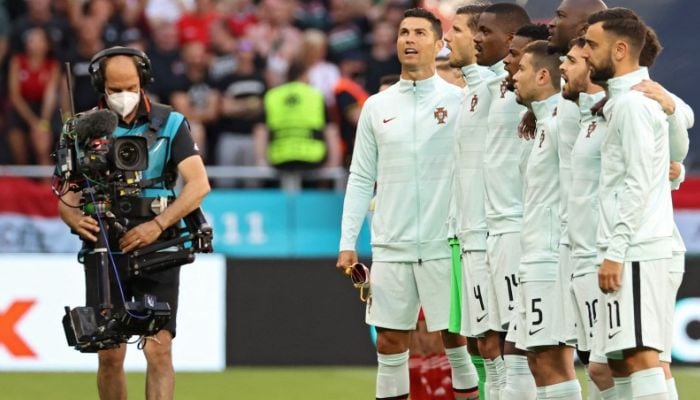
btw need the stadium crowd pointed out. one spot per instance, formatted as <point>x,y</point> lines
<point>214,61</point>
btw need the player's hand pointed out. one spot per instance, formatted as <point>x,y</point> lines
<point>610,276</point>
<point>86,227</point>
<point>674,171</point>
<point>140,236</point>
<point>657,93</point>
<point>346,259</point>
<point>526,129</point>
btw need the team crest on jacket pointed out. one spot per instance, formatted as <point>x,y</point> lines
<point>440,115</point>
<point>541,138</point>
<point>504,88</point>
<point>475,101</point>
<point>591,128</point>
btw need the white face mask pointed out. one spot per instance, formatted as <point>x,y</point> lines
<point>123,103</point>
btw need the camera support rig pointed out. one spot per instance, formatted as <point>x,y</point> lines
<point>89,330</point>
<point>196,231</point>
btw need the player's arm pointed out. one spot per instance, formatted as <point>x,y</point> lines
<point>676,174</point>
<point>680,116</point>
<point>195,186</point>
<point>678,124</point>
<point>363,175</point>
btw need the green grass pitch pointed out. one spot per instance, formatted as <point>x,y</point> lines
<point>328,383</point>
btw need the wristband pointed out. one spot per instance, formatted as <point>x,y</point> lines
<point>159,225</point>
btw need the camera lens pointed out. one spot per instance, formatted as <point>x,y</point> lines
<point>128,154</point>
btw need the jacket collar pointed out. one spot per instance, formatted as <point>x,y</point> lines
<point>498,68</point>
<point>420,87</point>
<point>545,108</point>
<point>587,101</point>
<point>624,83</point>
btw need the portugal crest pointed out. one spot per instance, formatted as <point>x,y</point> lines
<point>440,115</point>
<point>475,101</point>
<point>504,88</point>
<point>591,128</point>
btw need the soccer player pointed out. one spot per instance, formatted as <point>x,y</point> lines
<point>636,217</point>
<point>468,194</point>
<point>537,85</point>
<point>569,22</point>
<point>584,198</point>
<point>502,27</point>
<point>585,167</point>
<point>680,119</point>
<point>404,145</point>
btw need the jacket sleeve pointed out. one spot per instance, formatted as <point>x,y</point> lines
<point>637,139</point>
<point>676,183</point>
<point>678,124</point>
<point>363,175</point>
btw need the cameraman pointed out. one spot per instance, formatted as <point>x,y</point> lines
<point>119,75</point>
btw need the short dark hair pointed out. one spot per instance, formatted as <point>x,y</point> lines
<point>533,31</point>
<point>652,48</point>
<point>435,23</point>
<point>622,22</point>
<point>512,16</point>
<point>543,58</point>
<point>579,41</point>
<point>473,11</point>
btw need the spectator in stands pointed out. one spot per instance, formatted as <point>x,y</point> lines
<point>4,46</point>
<point>241,109</point>
<point>350,26</point>
<point>89,35</point>
<point>222,46</point>
<point>33,82</point>
<point>241,15</point>
<point>197,98</point>
<point>382,60</point>
<point>322,75</point>
<point>313,14</point>
<point>297,134</point>
<point>39,14</point>
<point>194,26</point>
<point>122,25</point>
<point>167,65</point>
<point>167,10</point>
<point>349,98</point>
<point>276,39</point>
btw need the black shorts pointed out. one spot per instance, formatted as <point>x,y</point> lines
<point>164,285</point>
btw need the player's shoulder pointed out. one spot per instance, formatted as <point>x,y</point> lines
<point>634,101</point>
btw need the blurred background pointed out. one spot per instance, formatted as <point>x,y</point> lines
<point>270,296</point>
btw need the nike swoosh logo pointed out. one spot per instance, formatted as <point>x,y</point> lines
<point>388,119</point>
<point>535,331</point>
<point>479,319</point>
<point>610,336</point>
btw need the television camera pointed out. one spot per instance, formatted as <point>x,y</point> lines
<point>108,173</point>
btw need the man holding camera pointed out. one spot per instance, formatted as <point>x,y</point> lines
<point>119,74</point>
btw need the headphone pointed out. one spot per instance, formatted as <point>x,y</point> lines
<point>143,65</point>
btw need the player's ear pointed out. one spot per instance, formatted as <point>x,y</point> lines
<point>509,38</point>
<point>620,49</point>
<point>439,44</point>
